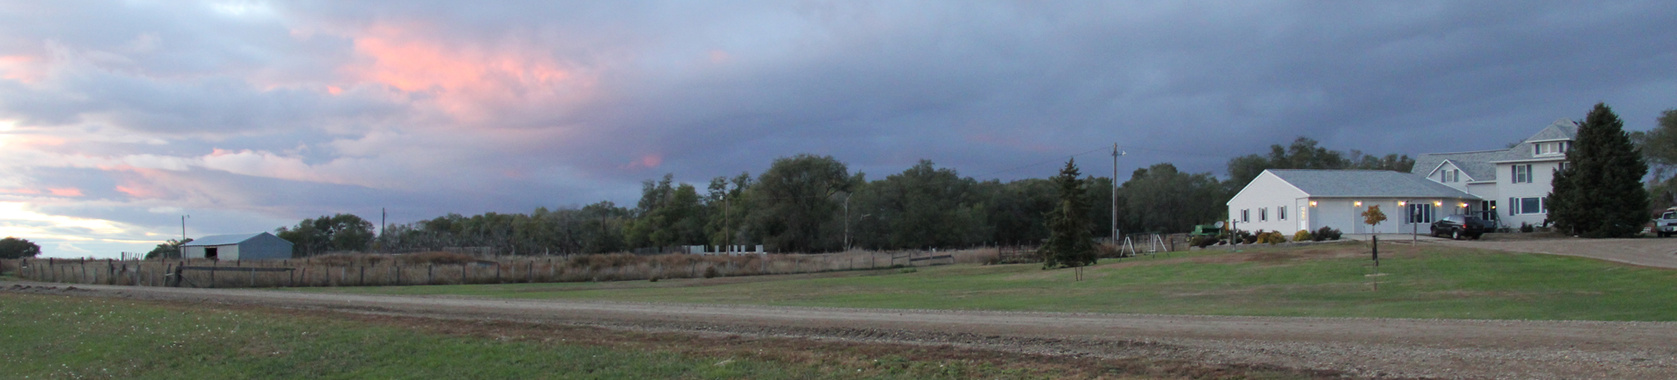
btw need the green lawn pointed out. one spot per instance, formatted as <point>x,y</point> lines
<point>1324,280</point>
<point>49,336</point>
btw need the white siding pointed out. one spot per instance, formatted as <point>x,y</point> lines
<point>1267,194</point>
<point>1542,177</point>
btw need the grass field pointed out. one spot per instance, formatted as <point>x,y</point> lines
<point>1331,280</point>
<point>50,336</point>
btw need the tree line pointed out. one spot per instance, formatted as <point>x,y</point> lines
<point>812,203</point>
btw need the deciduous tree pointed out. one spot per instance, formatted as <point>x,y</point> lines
<point>16,248</point>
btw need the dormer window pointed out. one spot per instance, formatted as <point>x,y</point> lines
<point>1550,148</point>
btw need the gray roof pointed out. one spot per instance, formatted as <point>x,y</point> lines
<point>1366,183</point>
<point>222,239</point>
<point>1562,129</point>
<point>1481,166</point>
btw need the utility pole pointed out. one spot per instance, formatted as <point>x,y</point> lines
<point>727,230</point>
<point>180,249</point>
<point>1115,154</point>
<point>847,221</point>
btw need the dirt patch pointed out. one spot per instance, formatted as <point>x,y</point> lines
<point>1120,344</point>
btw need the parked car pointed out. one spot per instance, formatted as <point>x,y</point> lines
<point>1666,225</point>
<point>1459,226</point>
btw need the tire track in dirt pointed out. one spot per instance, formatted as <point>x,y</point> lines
<point>1361,347</point>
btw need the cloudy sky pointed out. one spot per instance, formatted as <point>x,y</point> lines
<point>118,117</point>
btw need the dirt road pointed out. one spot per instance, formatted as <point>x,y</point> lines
<point>1359,347</point>
<point>1650,252</point>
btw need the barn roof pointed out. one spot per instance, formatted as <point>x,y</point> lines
<point>1366,183</point>
<point>222,239</point>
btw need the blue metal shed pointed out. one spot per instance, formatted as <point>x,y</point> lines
<point>257,246</point>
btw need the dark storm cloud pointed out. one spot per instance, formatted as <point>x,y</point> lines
<point>261,114</point>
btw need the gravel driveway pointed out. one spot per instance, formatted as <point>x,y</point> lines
<point>1358,347</point>
<point>1650,252</point>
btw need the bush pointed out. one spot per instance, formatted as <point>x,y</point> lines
<point>1244,237</point>
<point>1527,227</point>
<point>1271,238</point>
<point>1326,233</point>
<point>710,272</point>
<point>1303,235</point>
<point>1108,250</point>
<point>1204,241</point>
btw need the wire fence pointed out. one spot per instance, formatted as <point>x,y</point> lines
<point>439,268</point>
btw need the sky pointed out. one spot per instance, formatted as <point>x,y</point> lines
<point>118,118</point>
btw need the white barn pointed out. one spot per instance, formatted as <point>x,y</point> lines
<point>258,246</point>
<point>1291,200</point>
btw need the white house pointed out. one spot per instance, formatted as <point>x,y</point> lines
<point>258,246</point>
<point>1511,182</point>
<point>1289,200</point>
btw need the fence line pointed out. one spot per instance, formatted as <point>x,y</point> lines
<point>395,270</point>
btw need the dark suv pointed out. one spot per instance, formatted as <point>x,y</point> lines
<point>1459,226</point>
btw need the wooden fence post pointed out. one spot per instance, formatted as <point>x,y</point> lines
<point>362,279</point>
<point>462,273</point>
<point>430,271</point>
<point>498,272</point>
<point>398,274</point>
<point>213,265</point>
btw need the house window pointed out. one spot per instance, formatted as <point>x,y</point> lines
<point>1522,173</point>
<point>1563,166</point>
<point>1245,215</point>
<point>1281,212</point>
<point>1263,214</point>
<point>1518,206</point>
<point>1420,212</point>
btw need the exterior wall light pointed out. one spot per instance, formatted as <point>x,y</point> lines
<point>1438,203</point>
<point>1357,204</point>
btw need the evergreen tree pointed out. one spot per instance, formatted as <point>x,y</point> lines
<point>1600,193</point>
<point>1070,243</point>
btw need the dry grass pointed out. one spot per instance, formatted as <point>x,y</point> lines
<point>438,268</point>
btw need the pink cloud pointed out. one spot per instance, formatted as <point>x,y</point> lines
<point>65,191</point>
<point>468,81</point>
<point>647,162</point>
<point>22,68</point>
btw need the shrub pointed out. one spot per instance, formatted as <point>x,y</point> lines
<point>1271,238</point>
<point>710,272</point>
<point>1244,237</point>
<point>1326,233</point>
<point>1108,250</point>
<point>1303,235</point>
<point>439,258</point>
<point>1527,227</point>
<point>1204,241</point>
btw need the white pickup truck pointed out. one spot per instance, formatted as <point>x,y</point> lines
<point>1666,225</point>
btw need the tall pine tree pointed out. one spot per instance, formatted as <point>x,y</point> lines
<point>1599,193</point>
<point>1070,244</point>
